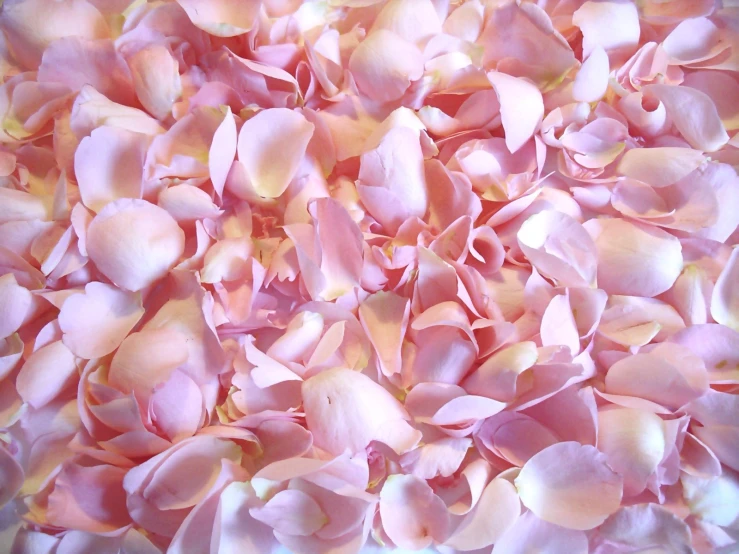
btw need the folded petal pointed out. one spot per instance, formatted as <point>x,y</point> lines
<point>521,108</point>
<point>134,243</point>
<point>571,485</point>
<point>498,376</point>
<point>96,322</point>
<point>634,259</point>
<point>222,152</point>
<point>271,146</point>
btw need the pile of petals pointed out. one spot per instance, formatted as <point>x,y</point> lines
<point>347,276</point>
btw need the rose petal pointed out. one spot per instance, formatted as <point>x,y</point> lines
<point>134,243</point>
<point>384,64</point>
<point>269,159</point>
<point>292,512</point>
<point>570,485</point>
<point>384,316</point>
<point>412,515</point>
<point>222,18</point>
<point>530,533</point>
<point>521,108</point>
<point>46,373</point>
<point>659,167</point>
<point>634,259</point>
<point>110,312</point>
<point>725,297</point>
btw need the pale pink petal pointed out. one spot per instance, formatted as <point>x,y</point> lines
<point>725,297</point>
<point>46,373</point>
<point>714,500</point>
<point>521,108</point>
<point>697,459</point>
<point>634,259</point>
<point>414,20</point>
<point>89,499</point>
<point>693,40</point>
<point>384,316</point>
<point>412,515</point>
<point>559,247</point>
<point>694,114</point>
<point>722,89</point>
<point>96,322</point>
<point>11,476</point>
<point>341,247</point>
<point>384,65</point>
<point>227,260</point>
<point>646,526</point>
<point>222,152</point>
<point>634,443</point>
<point>591,81</point>
<point>513,437</point>
<point>177,407</point>
<point>146,359</point>
<point>187,203</point>
<point>498,376</point>
<point>611,25</point>
<point>558,325</point>
<point>571,485</point>
<point>495,513</point>
<point>109,165</point>
<point>392,183</point>
<point>156,79</point>
<point>292,512</point>
<point>530,533</point>
<point>716,346</point>
<point>29,34</point>
<point>345,409</point>
<point>134,243</point>
<point>16,304</point>
<point>674,376</point>
<point>92,110</point>
<point>77,62</point>
<point>271,146</point>
<point>222,18</point>
<point>440,457</point>
<point>636,321</point>
<point>659,167</point>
